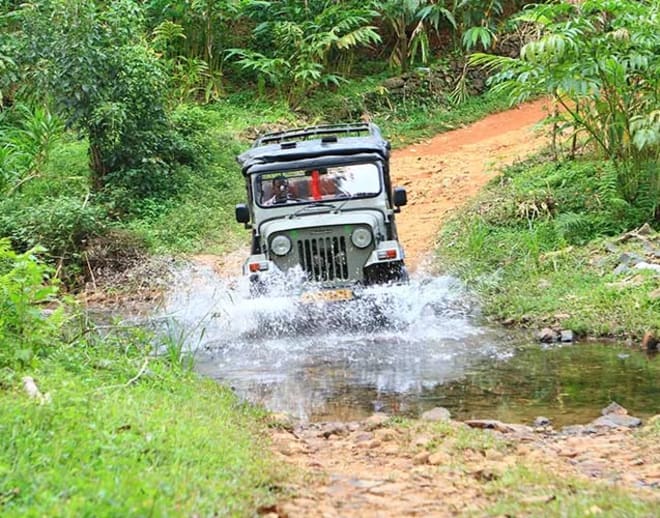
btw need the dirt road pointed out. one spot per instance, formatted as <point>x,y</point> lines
<point>445,171</point>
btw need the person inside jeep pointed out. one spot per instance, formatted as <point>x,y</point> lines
<point>281,191</point>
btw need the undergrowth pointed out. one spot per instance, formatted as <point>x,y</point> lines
<point>534,244</point>
<point>117,430</point>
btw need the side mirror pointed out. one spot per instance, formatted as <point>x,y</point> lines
<point>400,197</point>
<point>242,213</point>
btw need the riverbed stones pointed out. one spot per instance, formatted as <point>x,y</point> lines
<point>547,335</point>
<point>650,342</point>
<point>436,414</point>
<point>566,336</point>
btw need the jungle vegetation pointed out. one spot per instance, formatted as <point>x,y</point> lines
<point>119,123</point>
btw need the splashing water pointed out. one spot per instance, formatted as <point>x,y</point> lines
<point>347,359</point>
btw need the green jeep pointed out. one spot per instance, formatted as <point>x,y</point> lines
<point>321,210</point>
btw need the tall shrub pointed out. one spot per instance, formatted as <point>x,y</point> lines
<point>600,61</point>
<point>93,61</point>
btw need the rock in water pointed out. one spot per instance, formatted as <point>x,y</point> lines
<point>566,336</point>
<point>614,408</point>
<point>436,414</point>
<point>547,335</point>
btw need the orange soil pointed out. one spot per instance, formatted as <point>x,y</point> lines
<point>442,173</point>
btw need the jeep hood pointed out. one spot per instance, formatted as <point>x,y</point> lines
<point>324,219</point>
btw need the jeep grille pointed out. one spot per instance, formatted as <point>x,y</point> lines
<point>324,258</point>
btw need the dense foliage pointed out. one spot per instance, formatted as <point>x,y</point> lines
<point>600,61</point>
<point>99,129</point>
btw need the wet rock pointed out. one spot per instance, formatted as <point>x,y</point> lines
<point>436,414</point>
<point>541,422</point>
<point>375,421</point>
<point>566,336</point>
<point>617,421</point>
<point>648,266</point>
<point>546,335</point>
<point>614,408</point>
<point>650,342</point>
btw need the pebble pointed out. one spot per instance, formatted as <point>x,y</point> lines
<point>421,458</point>
<point>436,414</point>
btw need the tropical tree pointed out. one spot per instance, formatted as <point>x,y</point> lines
<point>301,45</point>
<point>411,22</point>
<point>103,77</point>
<point>600,61</point>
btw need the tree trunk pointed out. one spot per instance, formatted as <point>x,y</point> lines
<point>96,164</point>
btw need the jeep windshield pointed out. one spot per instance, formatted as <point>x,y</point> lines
<point>324,184</point>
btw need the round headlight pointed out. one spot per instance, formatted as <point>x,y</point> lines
<point>280,245</point>
<point>361,237</point>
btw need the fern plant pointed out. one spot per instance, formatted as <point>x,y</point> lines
<point>306,43</point>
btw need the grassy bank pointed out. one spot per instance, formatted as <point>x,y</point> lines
<point>540,245</point>
<point>123,436</point>
<point>107,427</point>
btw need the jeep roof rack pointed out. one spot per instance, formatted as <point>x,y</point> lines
<point>363,129</point>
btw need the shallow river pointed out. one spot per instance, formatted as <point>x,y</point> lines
<point>435,353</point>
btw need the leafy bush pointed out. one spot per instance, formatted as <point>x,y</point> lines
<point>62,226</point>
<point>25,287</point>
<point>599,60</point>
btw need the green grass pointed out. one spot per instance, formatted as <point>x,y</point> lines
<point>533,245</point>
<point>169,444</point>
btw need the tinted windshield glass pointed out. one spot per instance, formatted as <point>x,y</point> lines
<point>323,184</point>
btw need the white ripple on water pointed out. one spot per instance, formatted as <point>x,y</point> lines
<point>433,341</point>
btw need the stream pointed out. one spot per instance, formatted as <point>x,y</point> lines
<point>436,351</point>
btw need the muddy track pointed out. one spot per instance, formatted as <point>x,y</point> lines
<point>442,173</point>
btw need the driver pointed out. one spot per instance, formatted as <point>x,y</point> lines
<point>281,191</point>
